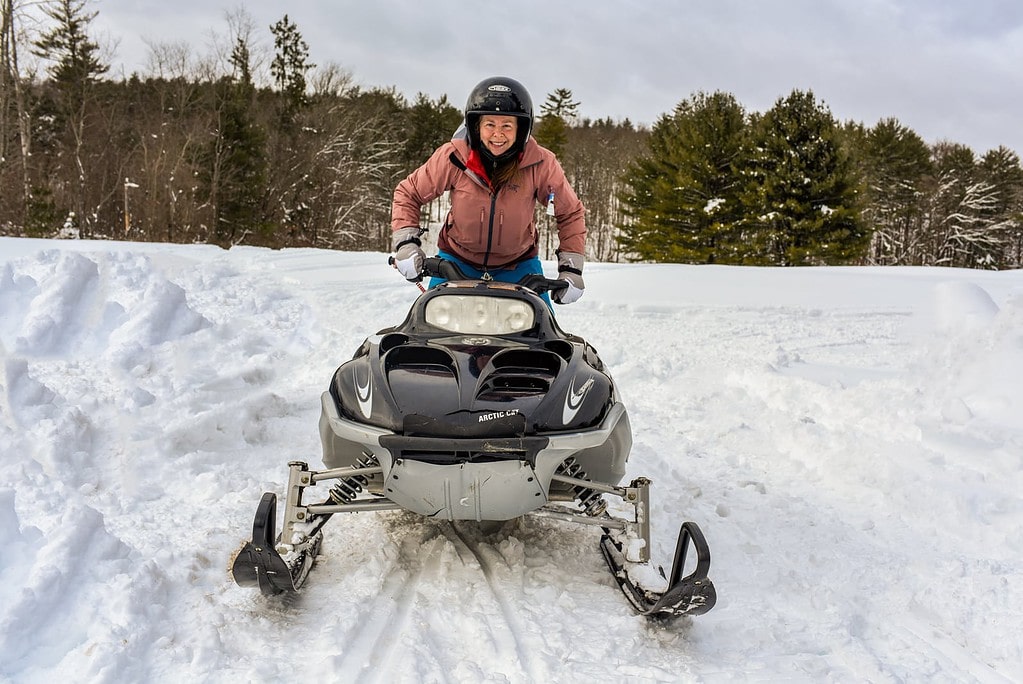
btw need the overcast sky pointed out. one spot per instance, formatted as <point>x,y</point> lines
<point>948,69</point>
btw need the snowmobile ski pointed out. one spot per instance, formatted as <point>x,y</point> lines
<point>258,563</point>
<point>693,594</point>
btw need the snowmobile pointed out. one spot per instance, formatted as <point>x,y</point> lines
<point>478,407</point>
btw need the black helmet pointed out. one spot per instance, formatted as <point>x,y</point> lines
<point>499,95</point>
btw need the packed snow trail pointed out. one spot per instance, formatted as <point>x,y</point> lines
<point>847,438</point>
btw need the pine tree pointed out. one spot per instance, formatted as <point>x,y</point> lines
<point>556,114</point>
<point>289,67</point>
<point>233,164</point>
<point>428,125</point>
<point>74,57</point>
<point>561,103</point>
<point>682,197</point>
<point>897,167</point>
<point>800,192</point>
<point>1001,168</point>
<point>74,68</point>
<point>955,165</point>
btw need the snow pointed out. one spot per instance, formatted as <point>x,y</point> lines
<point>849,439</point>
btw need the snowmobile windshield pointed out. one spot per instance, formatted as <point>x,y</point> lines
<point>479,315</point>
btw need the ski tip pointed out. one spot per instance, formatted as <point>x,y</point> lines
<point>263,568</point>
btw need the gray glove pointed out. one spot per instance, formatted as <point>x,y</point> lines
<point>408,252</point>
<point>570,268</point>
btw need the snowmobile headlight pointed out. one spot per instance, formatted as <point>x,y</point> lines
<point>481,315</point>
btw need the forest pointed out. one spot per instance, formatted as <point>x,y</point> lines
<point>241,147</point>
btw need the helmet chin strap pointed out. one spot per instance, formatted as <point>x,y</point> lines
<point>491,158</point>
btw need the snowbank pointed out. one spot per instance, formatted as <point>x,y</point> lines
<point>849,439</point>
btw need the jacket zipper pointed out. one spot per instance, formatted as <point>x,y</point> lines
<point>490,234</point>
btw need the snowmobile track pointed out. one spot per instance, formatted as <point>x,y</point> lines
<point>367,656</point>
<point>952,658</point>
<point>419,569</point>
<point>485,556</point>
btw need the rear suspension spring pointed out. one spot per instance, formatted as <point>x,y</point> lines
<point>346,489</point>
<point>591,502</point>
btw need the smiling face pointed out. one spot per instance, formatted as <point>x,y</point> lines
<point>497,133</point>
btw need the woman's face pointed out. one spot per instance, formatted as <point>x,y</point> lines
<point>497,133</point>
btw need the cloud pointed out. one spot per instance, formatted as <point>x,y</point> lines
<point>947,69</point>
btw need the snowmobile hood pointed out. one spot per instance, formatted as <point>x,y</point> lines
<point>475,359</point>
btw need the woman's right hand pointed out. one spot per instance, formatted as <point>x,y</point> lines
<point>408,253</point>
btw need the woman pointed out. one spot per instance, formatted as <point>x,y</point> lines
<point>496,174</point>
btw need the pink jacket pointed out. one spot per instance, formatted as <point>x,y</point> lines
<point>491,230</point>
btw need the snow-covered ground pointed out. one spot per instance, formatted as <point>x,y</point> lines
<point>849,439</point>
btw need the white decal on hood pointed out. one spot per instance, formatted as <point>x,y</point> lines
<point>364,393</point>
<point>574,400</point>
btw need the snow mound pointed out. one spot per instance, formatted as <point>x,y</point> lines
<point>66,597</point>
<point>963,305</point>
<point>73,304</point>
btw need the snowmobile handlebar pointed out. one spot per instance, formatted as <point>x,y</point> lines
<point>449,270</point>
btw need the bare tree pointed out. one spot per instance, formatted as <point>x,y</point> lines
<point>13,105</point>
<point>596,159</point>
<point>169,127</point>
<point>358,174</point>
<point>330,80</point>
<point>971,234</point>
<point>8,71</point>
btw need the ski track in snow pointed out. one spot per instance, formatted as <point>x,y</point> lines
<point>848,439</point>
<point>514,643</point>
<point>380,630</point>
